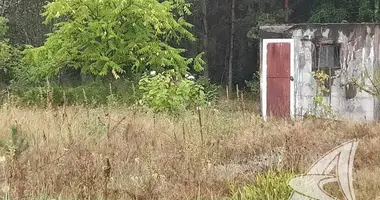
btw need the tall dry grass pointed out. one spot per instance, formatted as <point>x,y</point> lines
<point>120,153</point>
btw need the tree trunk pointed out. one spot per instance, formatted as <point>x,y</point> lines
<point>286,10</point>
<point>231,47</point>
<point>377,2</point>
<point>205,35</point>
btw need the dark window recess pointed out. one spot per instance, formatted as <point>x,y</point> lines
<point>327,59</point>
<point>329,56</point>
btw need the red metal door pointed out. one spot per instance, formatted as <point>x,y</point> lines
<point>278,80</point>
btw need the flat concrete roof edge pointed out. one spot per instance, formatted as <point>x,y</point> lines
<point>311,24</point>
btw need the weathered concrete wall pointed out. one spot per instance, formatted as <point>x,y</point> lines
<point>376,64</point>
<point>359,54</point>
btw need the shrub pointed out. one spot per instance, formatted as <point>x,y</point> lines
<point>164,93</point>
<point>16,146</point>
<point>254,85</point>
<point>211,90</point>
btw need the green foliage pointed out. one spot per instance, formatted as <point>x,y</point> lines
<point>265,18</point>
<point>211,90</point>
<point>368,82</point>
<point>321,78</point>
<point>327,11</point>
<point>10,56</point>
<point>165,92</point>
<point>17,145</point>
<point>101,37</point>
<point>254,85</point>
<point>3,27</point>
<point>270,185</point>
<point>121,92</point>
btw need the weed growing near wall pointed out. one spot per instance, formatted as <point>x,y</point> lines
<point>321,108</point>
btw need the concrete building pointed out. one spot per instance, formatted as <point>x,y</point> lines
<point>348,53</point>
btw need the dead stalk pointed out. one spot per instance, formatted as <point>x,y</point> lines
<point>118,124</point>
<point>200,124</point>
<point>237,91</point>
<point>227,93</point>
<point>107,175</point>
<point>183,132</point>
<point>109,125</point>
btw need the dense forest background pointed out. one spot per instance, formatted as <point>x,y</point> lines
<point>226,30</point>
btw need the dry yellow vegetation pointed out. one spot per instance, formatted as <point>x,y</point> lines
<point>120,153</point>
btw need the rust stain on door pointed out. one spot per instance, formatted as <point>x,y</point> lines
<point>278,80</point>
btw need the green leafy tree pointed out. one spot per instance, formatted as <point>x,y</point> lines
<point>113,36</point>
<point>10,56</point>
<point>328,11</point>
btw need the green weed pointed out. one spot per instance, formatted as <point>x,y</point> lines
<point>272,185</point>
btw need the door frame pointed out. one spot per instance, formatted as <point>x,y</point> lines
<point>264,76</point>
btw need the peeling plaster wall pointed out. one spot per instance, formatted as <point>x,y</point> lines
<point>376,64</point>
<point>359,53</point>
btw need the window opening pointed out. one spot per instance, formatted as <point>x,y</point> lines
<point>327,60</point>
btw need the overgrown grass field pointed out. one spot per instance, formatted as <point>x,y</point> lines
<point>221,152</point>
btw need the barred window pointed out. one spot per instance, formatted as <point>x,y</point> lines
<point>327,57</point>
